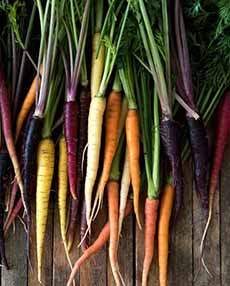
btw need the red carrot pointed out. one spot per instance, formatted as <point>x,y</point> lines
<point>96,246</point>
<point>222,133</point>
<point>7,131</point>
<point>14,214</point>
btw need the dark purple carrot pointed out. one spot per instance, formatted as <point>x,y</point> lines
<point>199,146</point>
<point>221,138</point>
<point>4,163</point>
<point>83,122</point>
<point>170,136</point>
<point>71,111</point>
<point>197,132</point>
<point>5,112</point>
<point>30,156</point>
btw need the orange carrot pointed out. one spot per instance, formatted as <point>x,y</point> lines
<point>26,106</point>
<point>96,246</point>
<point>133,144</point>
<point>112,116</point>
<point>151,207</point>
<point>166,206</point>
<point>113,201</point>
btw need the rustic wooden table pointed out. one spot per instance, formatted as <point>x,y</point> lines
<point>184,248</point>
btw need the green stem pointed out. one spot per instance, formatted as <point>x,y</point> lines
<point>99,8</point>
<point>117,83</point>
<point>156,151</point>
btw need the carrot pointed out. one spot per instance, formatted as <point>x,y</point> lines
<point>71,111</point>
<point>151,207</point>
<point>7,131</point>
<point>125,184</point>
<point>4,163</point>
<point>26,106</point>
<point>62,192</point>
<point>133,144</point>
<point>96,112</point>
<point>166,206</point>
<point>222,134</point>
<point>112,116</point>
<point>170,136</point>
<point>45,169</point>
<point>97,65</point>
<point>96,246</point>
<point>82,141</point>
<point>16,210</point>
<point>113,200</point>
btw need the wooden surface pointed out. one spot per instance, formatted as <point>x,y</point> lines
<point>184,264</point>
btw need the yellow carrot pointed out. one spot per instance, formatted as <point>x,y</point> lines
<point>45,169</point>
<point>62,193</point>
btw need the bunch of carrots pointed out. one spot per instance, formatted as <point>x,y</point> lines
<point>115,104</point>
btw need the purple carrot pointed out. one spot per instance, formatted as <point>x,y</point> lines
<point>170,136</point>
<point>71,111</point>
<point>197,133</point>
<point>83,122</point>
<point>14,214</point>
<point>5,112</point>
<point>4,163</point>
<point>14,191</point>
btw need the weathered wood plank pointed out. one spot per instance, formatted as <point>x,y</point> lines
<point>61,268</point>
<point>125,255</point>
<point>94,272</point>
<point>224,226</point>
<point>212,245</point>
<point>47,269</point>
<point>16,255</point>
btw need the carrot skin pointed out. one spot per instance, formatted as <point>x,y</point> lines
<point>199,145</point>
<point>31,145</point>
<point>151,208</point>
<point>170,136</point>
<point>101,240</point>
<point>222,134</point>
<point>13,215</point>
<point>133,144</point>
<point>4,163</point>
<point>165,212</point>
<point>71,110</point>
<point>84,98</point>
<point>5,113</point>
<point>113,201</point>
<point>112,116</point>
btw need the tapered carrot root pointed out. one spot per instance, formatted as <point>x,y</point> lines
<point>166,206</point>
<point>113,200</point>
<point>96,112</point>
<point>125,184</point>
<point>112,116</point>
<point>151,207</point>
<point>96,246</point>
<point>62,192</point>
<point>26,106</point>
<point>83,238</point>
<point>45,171</point>
<point>5,113</point>
<point>133,143</point>
<point>13,215</point>
<point>97,65</point>
<point>71,111</point>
